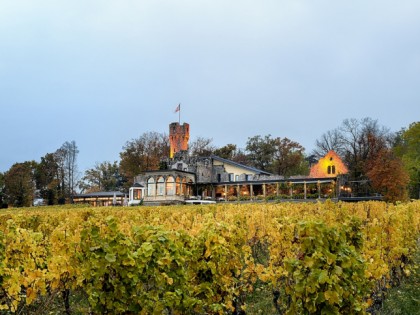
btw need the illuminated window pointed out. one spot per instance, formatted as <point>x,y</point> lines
<point>160,186</point>
<point>178,186</point>
<point>151,186</point>
<point>137,194</point>
<point>170,186</point>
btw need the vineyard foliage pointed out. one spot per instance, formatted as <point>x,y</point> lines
<point>328,258</point>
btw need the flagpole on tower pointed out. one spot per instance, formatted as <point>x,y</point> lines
<point>178,109</point>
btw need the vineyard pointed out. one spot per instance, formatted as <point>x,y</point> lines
<point>311,258</point>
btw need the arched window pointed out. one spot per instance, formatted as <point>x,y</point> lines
<point>151,186</point>
<point>170,186</point>
<point>178,186</point>
<point>160,187</point>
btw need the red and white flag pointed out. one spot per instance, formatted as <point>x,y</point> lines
<point>178,108</point>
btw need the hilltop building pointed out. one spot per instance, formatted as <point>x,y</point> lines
<point>214,178</point>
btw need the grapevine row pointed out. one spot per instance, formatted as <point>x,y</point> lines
<point>322,257</point>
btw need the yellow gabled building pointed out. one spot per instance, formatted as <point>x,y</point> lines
<point>330,165</point>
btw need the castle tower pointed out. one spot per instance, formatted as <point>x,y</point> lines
<point>178,137</point>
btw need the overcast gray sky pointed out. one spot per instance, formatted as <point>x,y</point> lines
<point>104,72</point>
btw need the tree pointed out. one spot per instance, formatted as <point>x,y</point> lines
<point>70,151</point>
<point>241,157</point>
<point>362,140</point>
<point>355,141</point>
<point>388,176</point>
<point>227,152</point>
<point>19,184</point>
<point>281,156</point>
<point>59,156</point>
<point>53,179</point>
<point>143,153</point>
<point>331,140</point>
<point>311,160</point>
<point>47,178</point>
<point>66,158</point>
<point>261,151</point>
<point>288,158</point>
<point>231,152</point>
<point>3,203</point>
<point>104,176</point>
<point>407,147</point>
<point>201,147</point>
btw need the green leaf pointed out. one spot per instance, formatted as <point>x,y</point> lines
<point>147,249</point>
<point>129,261</point>
<point>338,270</point>
<point>332,297</point>
<point>331,258</point>
<point>346,262</point>
<point>323,277</point>
<point>309,262</point>
<point>110,257</point>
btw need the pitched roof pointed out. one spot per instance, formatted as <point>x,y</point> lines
<point>250,168</point>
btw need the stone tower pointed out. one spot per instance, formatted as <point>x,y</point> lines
<point>178,137</point>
